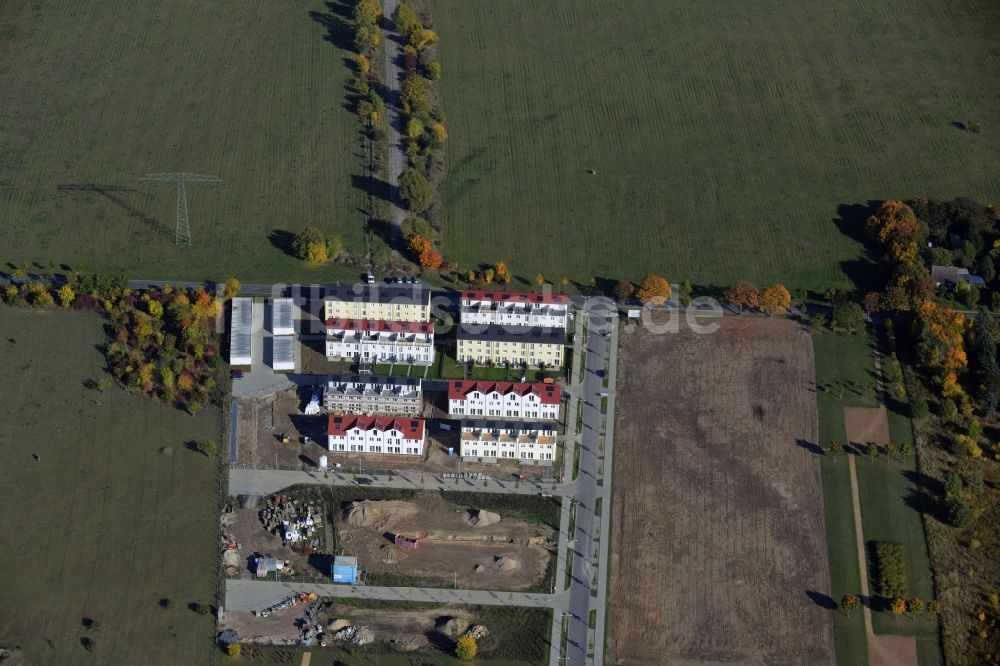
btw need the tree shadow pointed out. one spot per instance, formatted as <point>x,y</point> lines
<point>337,21</point>
<point>809,446</point>
<point>321,562</point>
<point>850,220</point>
<point>282,240</point>
<point>113,194</point>
<point>923,496</point>
<point>377,187</point>
<point>821,600</point>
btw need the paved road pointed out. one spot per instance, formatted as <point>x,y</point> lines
<point>248,595</point>
<point>260,482</point>
<point>393,44</point>
<point>591,536</point>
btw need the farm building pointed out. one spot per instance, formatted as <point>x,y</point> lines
<point>283,351</point>
<point>240,332</point>
<point>283,316</point>
<point>345,570</point>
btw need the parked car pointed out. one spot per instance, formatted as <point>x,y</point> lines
<point>369,278</point>
<point>363,481</point>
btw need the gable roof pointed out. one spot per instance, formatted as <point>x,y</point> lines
<point>374,326</point>
<point>459,389</point>
<point>514,296</point>
<point>339,425</point>
<point>545,335</point>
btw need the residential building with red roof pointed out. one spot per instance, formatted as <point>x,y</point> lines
<point>378,341</point>
<point>507,400</point>
<point>515,308</point>
<point>375,434</point>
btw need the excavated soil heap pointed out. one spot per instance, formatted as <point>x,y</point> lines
<point>481,518</point>
<point>375,513</point>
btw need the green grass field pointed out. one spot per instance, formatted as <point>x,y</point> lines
<point>886,490</point>
<point>725,135</point>
<point>104,525</point>
<point>98,94</point>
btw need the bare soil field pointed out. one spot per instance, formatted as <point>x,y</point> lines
<point>719,554</point>
<point>495,554</point>
<point>866,424</point>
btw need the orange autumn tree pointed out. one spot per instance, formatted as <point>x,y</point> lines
<point>654,289</point>
<point>742,294</point>
<point>500,272</point>
<point>430,258</point>
<point>776,298</point>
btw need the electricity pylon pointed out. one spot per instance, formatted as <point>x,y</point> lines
<point>182,235</point>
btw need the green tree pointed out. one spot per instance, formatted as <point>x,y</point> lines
<point>872,451</point>
<point>406,19</point>
<point>310,245</point>
<point>415,95</point>
<point>465,648</point>
<point>836,449</point>
<point>916,606</point>
<point>849,315</point>
<point>234,650</point>
<point>334,246</point>
<point>208,448</point>
<point>366,12</point>
<point>103,384</point>
<point>415,189</point>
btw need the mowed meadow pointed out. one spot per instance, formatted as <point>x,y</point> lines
<point>116,514</point>
<point>730,139</point>
<point>97,94</point>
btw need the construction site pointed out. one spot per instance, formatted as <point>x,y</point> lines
<point>429,541</point>
<point>278,432</point>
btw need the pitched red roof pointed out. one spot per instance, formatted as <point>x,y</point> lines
<point>411,428</point>
<point>514,296</point>
<point>373,326</point>
<point>459,389</point>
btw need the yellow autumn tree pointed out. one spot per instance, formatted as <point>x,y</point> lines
<point>466,648</point>
<point>776,298</point>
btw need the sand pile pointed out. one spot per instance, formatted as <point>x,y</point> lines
<point>337,625</point>
<point>454,627</point>
<point>481,518</point>
<point>508,564</point>
<point>231,558</point>
<point>378,514</point>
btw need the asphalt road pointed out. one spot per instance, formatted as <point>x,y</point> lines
<point>393,81</point>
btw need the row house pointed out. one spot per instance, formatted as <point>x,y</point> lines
<point>375,434</point>
<point>524,442</point>
<point>515,308</point>
<point>510,345</point>
<point>373,394</point>
<point>380,341</point>
<point>517,400</point>
<point>378,302</point>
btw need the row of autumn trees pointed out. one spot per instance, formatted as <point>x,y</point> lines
<point>162,343</point>
<point>425,137</point>
<point>742,295</point>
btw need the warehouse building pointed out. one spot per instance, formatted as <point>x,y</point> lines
<point>283,316</point>
<point>283,353</point>
<point>241,332</point>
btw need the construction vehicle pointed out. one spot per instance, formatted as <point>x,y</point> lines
<point>283,437</point>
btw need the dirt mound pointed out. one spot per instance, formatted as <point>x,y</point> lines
<point>377,513</point>
<point>479,568</point>
<point>231,558</point>
<point>337,625</point>
<point>508,564</point>
<point>481,518</point>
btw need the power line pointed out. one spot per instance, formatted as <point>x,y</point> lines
<point>182,234</point>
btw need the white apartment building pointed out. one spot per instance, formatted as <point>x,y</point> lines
<point>525,442</point>
<point>380,341</point>
<point>375,434</point>
<point>515,308</point>
<point>506,400</point>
